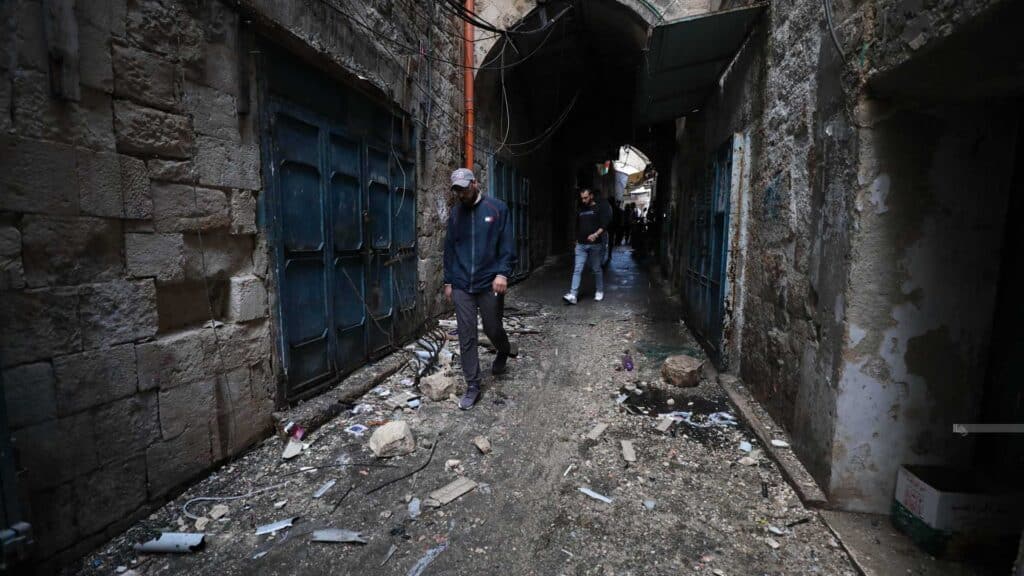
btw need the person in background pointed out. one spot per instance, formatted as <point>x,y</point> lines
<point>591,227</point>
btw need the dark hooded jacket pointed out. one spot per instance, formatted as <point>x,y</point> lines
<point>479,246</point>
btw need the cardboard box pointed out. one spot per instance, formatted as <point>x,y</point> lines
<point>956,513</point>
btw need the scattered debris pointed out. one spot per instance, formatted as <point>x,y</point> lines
<point>627,362</point>
<point>597,430</point>
<point>718,572</point>
<point>391,552</point>
<point>714,419</point>
<point>275,526</point>
<point>280,504</point>
<point>773,543</point>
<point>682,370</point>
<point>746,446</point>
<point>414,508</point>
<point>798,522</point>
<point>356,429</point>
<point>191,516</point>
<point>430,457</point>
<point>482,444</point>
<point>621,398</point>
<point>649,504</point>
<point>780,443</point>
<point>219,511</point>
<point>567,470</point>
<point>338,536</point>
<point>421,564</point>
<point>628,453</point>
<point>362,409</point>
<point>595,495</point>
<point>381,392</point>
<point>399,401</point>
<point>455,465</point>
<point>747,461</point>
<point>201,523</point>
<point>392,439</point>
<point>450,492</point>
<point>776,531</point>
<point>413,403</point>
<point>665,424</point>
<point>323,489</point>
<point>292,449</point>
<point>173,542</point>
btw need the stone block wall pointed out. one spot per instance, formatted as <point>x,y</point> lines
<point>136,295</point>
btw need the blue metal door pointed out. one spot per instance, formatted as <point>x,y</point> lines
<point>709,245</point>
<point>342,207</point>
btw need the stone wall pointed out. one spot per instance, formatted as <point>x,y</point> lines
<point>851,338</point>
<point>135,285</point>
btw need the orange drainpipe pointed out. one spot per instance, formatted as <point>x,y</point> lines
<point>468,85</point>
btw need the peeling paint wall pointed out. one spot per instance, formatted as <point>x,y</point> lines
<point>923,279</point>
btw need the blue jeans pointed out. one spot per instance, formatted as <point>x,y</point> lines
<point>592,253</point>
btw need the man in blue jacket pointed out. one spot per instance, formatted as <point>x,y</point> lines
<point>479,254</point>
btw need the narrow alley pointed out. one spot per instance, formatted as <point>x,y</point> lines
<point>249,250</point>
<point>685,504</point>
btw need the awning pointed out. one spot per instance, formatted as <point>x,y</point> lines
<point>685,59</point>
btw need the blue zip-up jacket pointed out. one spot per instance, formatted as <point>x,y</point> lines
<point>479,245</point>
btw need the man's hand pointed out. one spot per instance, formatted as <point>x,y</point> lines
<point>592,238</point>
<point>448,292</point>
<point>500,285</point>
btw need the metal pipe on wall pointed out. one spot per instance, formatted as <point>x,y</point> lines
<point>468,84</point>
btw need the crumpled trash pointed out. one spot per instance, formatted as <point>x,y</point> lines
<point>179,542</point>
<point>356,429</point>
<point>338,535</point>
<point>713,419</point>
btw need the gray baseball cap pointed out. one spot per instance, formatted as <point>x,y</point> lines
<point>462,177</point>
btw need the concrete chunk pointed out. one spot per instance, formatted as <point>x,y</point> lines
<point>392,439</point>
<point>438,386</point>
<point>628,454</point>
<point>682,370</point>
<point>596,431</point>
<point>665,424</point>
<point>482,444</point>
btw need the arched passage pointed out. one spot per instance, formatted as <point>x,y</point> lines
<point>554,100</point>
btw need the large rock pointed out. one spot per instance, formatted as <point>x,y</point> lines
<point>682,370</point>
<point>438,386</point>
<point>392,439</point>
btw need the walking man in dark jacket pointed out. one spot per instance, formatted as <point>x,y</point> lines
<point>591,226</point>
<point>479,255</point>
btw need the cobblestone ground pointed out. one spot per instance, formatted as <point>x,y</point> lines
<point>693,502</point>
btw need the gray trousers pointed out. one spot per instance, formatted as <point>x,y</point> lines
<point>491,309</point>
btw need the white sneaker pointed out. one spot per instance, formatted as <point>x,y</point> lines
<point>598,296</point>
<point>569,298</point>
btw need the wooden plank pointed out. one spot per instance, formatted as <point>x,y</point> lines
<point>451,492</point>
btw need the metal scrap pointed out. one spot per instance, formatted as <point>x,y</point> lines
<point>338,536</point>
<point>276,526</point>
<point>595,495</point>
<point>173,542</point>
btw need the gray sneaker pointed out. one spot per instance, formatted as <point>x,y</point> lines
<point>470,397</point>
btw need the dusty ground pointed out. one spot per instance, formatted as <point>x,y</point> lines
<point>710,513</point>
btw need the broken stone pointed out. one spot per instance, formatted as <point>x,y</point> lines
<point>482,444</point>
<point>780,444</point>
<point>628,454</point>
<point>771,542</point>
<point>438,386</point>
<point>201,523</point>
<point>453,465</point>
<point>747,461</point>
<point>665,424</point>
<point>219,511</point>
<point>682,370</point>
<point>292,449</point>
<point>450,492</point>
<point>392,439</point>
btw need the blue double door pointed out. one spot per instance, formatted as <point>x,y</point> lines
<point>706,279</point>
<point>343,210</point>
